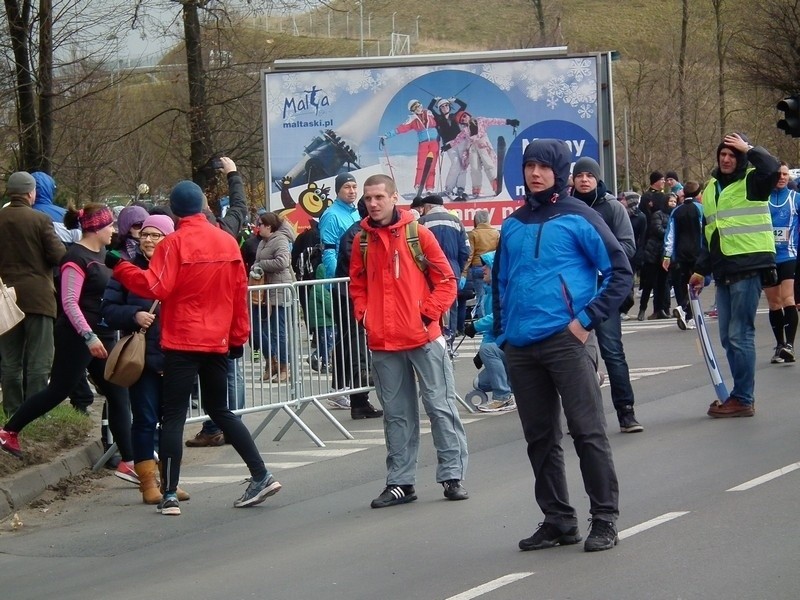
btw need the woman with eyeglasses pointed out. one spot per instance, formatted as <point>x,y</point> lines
<point>129,226</point>
<point>129,312</point>
<point>82,339</point>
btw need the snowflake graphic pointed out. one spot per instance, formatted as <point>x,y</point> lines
<point>571,96</point>
<point>360,80</point>
<point>585,111</point>
<point>557,87</point>
<point>500,75</point>
<point>534,91</point>
<point>552,102</point>
<point>580,69</point>
<point>291,82</point>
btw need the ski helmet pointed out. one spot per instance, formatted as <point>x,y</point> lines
<point>442,102</point>
<point>413,103</point>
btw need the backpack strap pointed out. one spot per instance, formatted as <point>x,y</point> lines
<point>412,238</point>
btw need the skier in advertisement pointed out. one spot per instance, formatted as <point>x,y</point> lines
<point>423,122</point>
<point>448,128</point>
<point>479,154</point>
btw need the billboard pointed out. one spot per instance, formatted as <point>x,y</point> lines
<point>454,125</point>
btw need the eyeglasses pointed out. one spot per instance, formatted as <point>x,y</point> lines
<point>137,225</point>
<point>152,236</point>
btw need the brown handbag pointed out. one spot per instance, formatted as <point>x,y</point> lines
<point>125,362</point>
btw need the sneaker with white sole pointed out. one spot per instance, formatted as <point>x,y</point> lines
<point>678,313</point>
<point>690,324</point>
<point>258,491</point>
<point>126,472</point>
<point>777,359</point>
<point>339,402</point>
<point>787,353</point>
<point>498,405</point>
<point>169,505</point>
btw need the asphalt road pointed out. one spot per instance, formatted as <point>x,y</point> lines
<point>707,510</point>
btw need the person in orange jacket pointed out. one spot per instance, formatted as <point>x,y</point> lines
<point>198,275</point>
<point>400,304</point>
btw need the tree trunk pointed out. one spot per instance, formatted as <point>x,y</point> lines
<point>540,19</point>
<point>682,92</point>
<point>46,85</point>
<point>720,46</point>
<point>19,15</point>
<point>201,145</point>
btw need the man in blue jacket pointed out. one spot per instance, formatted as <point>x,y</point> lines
<point>547,299</point>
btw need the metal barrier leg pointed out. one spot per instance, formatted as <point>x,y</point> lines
<point>466,404</point>
<point>104,459</point>
<point>296,419</point>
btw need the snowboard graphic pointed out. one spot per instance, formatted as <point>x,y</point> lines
<point>425,172</point>
<point>501,158</point>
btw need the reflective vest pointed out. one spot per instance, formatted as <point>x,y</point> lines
<point>744,226</point>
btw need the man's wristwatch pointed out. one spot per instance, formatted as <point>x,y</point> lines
<point>87,337</point>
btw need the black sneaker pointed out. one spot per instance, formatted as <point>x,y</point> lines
<point>602,536</point>
<point>169,505</point>
<point>394,494</point>
<point>549,535</point>
<point>787,353</point>
<point>627,421</point>
<point>453,490</point>
<point>364,412</point>
<point>777,358</point>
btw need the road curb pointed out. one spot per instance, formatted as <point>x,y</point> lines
<point>24,487</point>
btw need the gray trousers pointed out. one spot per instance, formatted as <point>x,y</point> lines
<point>27,348</point>
<point>560,371</point>
<point>396,375</point>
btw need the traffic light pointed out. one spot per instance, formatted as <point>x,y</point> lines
<point>790,123</point>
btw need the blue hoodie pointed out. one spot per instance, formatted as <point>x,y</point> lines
<point>45,193</point>
<point>485,324</point>
<point>550,252</point>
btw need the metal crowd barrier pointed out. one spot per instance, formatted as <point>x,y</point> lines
<point>292,321</point>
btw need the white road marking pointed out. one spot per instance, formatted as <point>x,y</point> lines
<point>490,586</point>
<point>765,478</point>
<point>626,533</point>
<point>218,479</point>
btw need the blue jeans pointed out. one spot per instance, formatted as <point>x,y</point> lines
<point>235,393</point>
<point>259,330</point>
<point>324,337</point>
<point>609,341</point>
<point>146,408</point>
<point>493,377</point>
<point>476,274</point>
<point>278,340</point>
<point>737,304</point>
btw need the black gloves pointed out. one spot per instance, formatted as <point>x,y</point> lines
<point>113,258</point>
<point>469,329</point>
<point>445,147</point>
<point>235,352</point>
<point>476,360</point>
<point>512,122</point>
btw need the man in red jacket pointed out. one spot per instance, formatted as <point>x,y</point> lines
<point>400,305</point>
<point>198,275</point>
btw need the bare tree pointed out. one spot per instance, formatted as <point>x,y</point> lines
<point>770,51</point>
<point>682,88</point>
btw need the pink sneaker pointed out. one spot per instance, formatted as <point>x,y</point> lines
<point>10,443</point>
<point>125,471</point>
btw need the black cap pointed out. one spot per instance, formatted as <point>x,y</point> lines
<point>341,179</point>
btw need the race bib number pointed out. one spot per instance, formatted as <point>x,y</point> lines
<point>781,234</point>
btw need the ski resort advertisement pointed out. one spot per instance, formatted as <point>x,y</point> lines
<point>456,129</point>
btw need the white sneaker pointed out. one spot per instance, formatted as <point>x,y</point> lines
<point>498,405</point>
<point>690,324</point>
<point>339,402</point>
<point>624,316</point>
<point>678,313</point>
